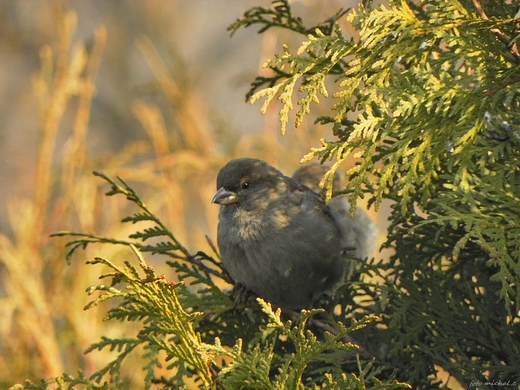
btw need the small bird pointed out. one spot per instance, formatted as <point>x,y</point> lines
<point>359,231</point>
<point>276,236</point>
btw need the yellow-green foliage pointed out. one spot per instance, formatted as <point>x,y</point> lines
<point>425,101</point>
<point>44,330</point>
<point>192,329</point>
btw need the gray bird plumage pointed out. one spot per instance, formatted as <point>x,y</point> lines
<point>276,236</point>
<point>359,231</point>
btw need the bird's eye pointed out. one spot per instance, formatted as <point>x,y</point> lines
<point>245,185</point>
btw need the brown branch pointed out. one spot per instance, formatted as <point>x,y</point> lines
<point>503,85</point>
<point>502,37</point>
<point>200,264</point>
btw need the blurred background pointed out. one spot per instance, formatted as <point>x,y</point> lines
<point>151,91</point>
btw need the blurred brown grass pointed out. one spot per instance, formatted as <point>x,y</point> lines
<point>173,164</point>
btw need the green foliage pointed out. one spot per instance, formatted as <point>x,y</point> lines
<point>172,247</point>
<point>281,16</point>
<point>193,331</point>
<point>427,104</point>
<point>253,370</point>
<point>64,382</point>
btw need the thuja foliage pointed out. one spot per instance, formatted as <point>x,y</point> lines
<point>191,330</point>
<point>426,100</point>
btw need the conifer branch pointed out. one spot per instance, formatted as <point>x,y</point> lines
<point>502,37</point>
<point>172,248</point>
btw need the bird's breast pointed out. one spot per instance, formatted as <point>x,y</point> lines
<point>249,225</point>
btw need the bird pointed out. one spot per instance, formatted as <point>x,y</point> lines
<point>358,232</point>
<point>276,236</point>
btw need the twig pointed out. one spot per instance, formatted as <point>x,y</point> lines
<point>199,263</point>
<point>502,37</point>
<point>328,328</point>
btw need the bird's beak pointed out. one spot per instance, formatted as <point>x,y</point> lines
<point>223,196</point>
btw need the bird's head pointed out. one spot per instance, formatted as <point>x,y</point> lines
<point>245,180</point>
